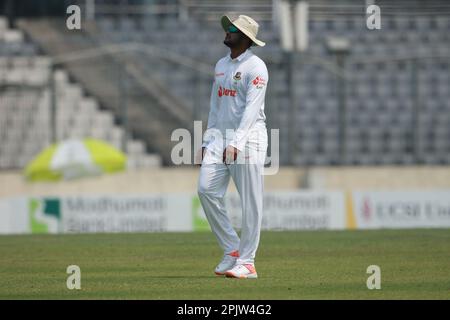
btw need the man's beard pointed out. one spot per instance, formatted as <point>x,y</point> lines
<point>232,43</point>
<point>229,44</point>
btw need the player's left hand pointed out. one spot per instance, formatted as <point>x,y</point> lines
<point>230,154</point>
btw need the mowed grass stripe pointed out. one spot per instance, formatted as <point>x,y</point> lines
<point>415,264</point>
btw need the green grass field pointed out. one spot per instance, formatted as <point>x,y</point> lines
<point>415,264</point>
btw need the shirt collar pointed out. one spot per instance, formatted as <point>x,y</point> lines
<point>241,56</point>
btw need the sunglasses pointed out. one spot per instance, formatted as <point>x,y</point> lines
<point>233,29</point>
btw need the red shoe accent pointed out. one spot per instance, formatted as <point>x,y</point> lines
<point>250,268</point>
<point>234,254</point>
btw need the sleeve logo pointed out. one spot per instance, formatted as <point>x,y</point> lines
<point>259,82</point>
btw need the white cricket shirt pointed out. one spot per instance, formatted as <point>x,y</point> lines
<point>237,102</point>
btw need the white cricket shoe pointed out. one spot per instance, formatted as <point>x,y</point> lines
<point>228,262</point>
<point>242,271</point>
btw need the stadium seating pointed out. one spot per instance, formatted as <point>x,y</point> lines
<point>25,107</point>
<point>380,96</point>
<point>390,118</point>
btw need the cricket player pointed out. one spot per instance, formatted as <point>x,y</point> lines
<point>236,148</point>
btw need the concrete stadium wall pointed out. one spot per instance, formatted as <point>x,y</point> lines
<point>185,180</point>
<point>379,178</point>
<point>135,182</point>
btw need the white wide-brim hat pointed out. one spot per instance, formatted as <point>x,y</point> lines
<point>247,25</point>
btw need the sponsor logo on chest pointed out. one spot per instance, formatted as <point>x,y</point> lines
<point>226,92</point>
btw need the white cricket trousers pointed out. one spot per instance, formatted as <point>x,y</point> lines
<point>249,181</point>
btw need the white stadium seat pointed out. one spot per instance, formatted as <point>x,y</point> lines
<point>13,36</point>
<point>98,133</point>
<point>36,76</point>
<point>87,106</point>
<point>61,76</point>
<point>42,62</point>
<point>3,23</point>
<point>135,147</point>
<point>103,119</point>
